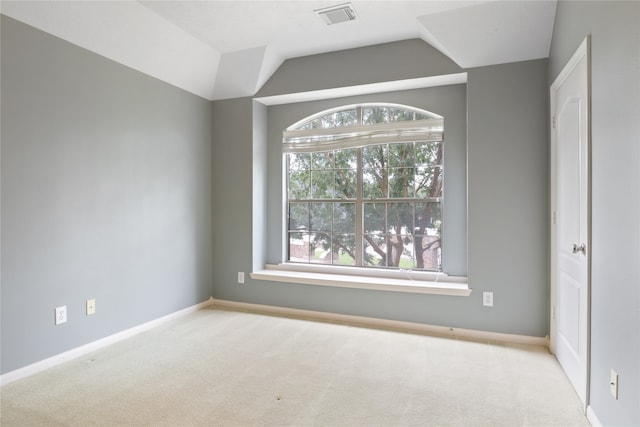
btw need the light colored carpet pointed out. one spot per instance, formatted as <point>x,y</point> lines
<point>227,368</point>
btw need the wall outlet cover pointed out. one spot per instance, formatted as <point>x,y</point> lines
<point>91,306</point>
<point>61,315</point>
<point>487,299</point>
<point>614,384</point>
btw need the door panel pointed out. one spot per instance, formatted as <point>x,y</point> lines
<point>570,228</point>
<point>568,320</point>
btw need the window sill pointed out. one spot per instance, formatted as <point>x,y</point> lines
<point>359,278</point>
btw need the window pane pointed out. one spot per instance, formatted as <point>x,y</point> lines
<point>322,160</point>
<point>325,254</point>
<point>341,118</point>
<point>343,245</point>
<point>427,235</point>
<point>374,184</point>
<point>428,153</point>
<point>375,250</point>
<point>299,247</point>
<point>332,120</point>
<point>428,218</point>
<point>322,184</point>
<point>375,215</point>
<point>346,184</point>
<point>374,175</point>
<point>401,155</point>
<point>375,157</point>
<point>401,182</point>
<point>347,159</point>
<point>299,161</point>
<point>344,218</point>
<point>372,115</point>
<point>321,216</point>
<point>429,182</point>
<point>427,252</point>
<point>299,185</point>
<point>400,218</point>
<point>298,216</point>
<point>401,251</point>
<point>320,249</point>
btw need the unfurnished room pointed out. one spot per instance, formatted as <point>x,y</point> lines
<point>320,213</point>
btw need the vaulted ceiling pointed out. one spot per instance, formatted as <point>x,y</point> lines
<point>228,49</point>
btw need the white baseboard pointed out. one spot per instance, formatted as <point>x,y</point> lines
<point>383,323</point>
<point>95,345</point>
<point>592,417</point>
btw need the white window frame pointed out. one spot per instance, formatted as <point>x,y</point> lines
<point>401,280</point>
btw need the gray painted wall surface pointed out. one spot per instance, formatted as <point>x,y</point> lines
<point>401,60</point>
<point>615,281</point>
<point>508,196</point>
<point>106,194</point>
<point>232,192</point>
<point>508,169</point>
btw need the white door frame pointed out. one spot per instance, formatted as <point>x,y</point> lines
<point>583,50</point>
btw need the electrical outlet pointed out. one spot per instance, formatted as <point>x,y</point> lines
<point>487,299</point>
<point>240,277</point>
<point>614,384</point>
<point>91,306</point>
<point>61,315</point>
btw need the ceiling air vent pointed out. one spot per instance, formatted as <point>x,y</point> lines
<point>336,14</point>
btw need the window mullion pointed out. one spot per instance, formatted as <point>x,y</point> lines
<point>359,209</point>
<point>359,214</point>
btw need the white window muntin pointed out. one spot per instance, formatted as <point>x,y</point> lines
<point>340,137</point>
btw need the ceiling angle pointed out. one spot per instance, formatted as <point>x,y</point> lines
<point>336,14</point>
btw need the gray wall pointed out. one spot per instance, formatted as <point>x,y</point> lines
<point>402,60</point>
<point>106,194</point>
<point>507,200</point>
<point>615,305</point>
<point>508,170</point>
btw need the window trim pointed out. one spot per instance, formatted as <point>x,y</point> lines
<point>366,278</point>
<point>265,271</point>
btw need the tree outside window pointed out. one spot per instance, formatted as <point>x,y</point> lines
<point>364,188</point>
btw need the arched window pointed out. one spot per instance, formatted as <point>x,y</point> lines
<point>364,187</point>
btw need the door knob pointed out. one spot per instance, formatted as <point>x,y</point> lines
<point>579,248</point>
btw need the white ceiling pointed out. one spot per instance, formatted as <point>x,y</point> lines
<point>227,49</point>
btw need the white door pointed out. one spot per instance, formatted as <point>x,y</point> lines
<point>570,251</point>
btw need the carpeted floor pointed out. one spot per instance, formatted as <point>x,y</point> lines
<point>226,368</point>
